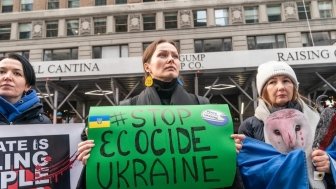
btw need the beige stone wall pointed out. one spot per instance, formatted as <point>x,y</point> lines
<point>293,39</point>
<point>86,3</point>
<point>63,4</point>
<point>236,30</point>
<point>110,2</point>
<point>16,5</point>
<point>40,5</point>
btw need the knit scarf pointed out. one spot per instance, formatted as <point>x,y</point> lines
<point>262,112</point>
<point>13,111</point>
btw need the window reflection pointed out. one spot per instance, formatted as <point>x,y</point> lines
<point>266,42</point>
<point>60,54</point>
<point>213,45</point>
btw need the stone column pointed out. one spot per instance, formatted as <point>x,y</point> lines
<point>263,17</point>
<point>110,25</point>
<point>315,13</point>
<point>293,39</point>
<point>110,2</point>
<point>16,5</point>
<point>86,3</point>
<point>135,49</point>
<point>187,46</point>
<point>211,17</point>
<point>36,55</point>
<point>63,4</point>
<point>39,5</point>
<point>134,1</point>
<point>84,52</point>
<point>62,28</point>
<point>160,22</point>
<point>14,31</point>
<point>239,43</point>
<point>334,8</point>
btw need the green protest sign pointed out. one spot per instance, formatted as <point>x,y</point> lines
<point>162,147</point>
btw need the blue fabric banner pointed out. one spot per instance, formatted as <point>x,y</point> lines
<point>262,166</point>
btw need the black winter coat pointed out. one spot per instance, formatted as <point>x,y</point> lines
<point>252,127</point>
<point>150,96</point>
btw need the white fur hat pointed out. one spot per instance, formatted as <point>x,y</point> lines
<point>274,68</point>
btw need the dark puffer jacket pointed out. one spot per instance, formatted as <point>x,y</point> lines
<point>33,115</point>
<point>27,110</point>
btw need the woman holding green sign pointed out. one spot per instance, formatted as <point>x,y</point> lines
<point>283,120</point>
<point>163,87</point>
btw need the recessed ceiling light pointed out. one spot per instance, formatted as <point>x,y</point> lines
<point>41,95</point>
<point>98,92</point>
<point>220,87</point>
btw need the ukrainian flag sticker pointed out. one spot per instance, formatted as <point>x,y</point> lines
<point>99,121</point>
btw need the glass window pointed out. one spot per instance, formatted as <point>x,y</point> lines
<point>149,22</point>
<point>200,18</point>
<point>100,2</point>
<point>274,13</point>
<point>121,2</point>
<point>266,42</point>
<point>23,53</point>
<point>121,23</point>
<point>145,45</point>
<point>221,17</point>
<point>60,54</point>
<point>53,4</point>
<point>5,31</point>
<point>99,25</point>
<point>319,38</point>
<point>6,6</point>
<point>148,0</point>
<point>303,10</point>
<point>26,5</point>
<point>170,20</point>
<point>213,45</point>
<point>24,31</point>
<point>73,3</point>
<point>251,15</point>
<point>115,51</point>
<point>51,28</point>
<point>72,27</point>
<point>325,9</point>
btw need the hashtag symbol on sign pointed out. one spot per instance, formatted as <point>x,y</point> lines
<point>117,118</point>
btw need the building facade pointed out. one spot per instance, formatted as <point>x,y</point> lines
<point>65,30</point>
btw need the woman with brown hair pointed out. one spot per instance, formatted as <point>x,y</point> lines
<point>163,87</point>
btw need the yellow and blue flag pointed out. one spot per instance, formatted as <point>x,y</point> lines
<point>262,166</point>
<point>99,121</point>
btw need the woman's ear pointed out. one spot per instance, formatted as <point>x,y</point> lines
<point>147,67</point>
<point>27,88</point>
